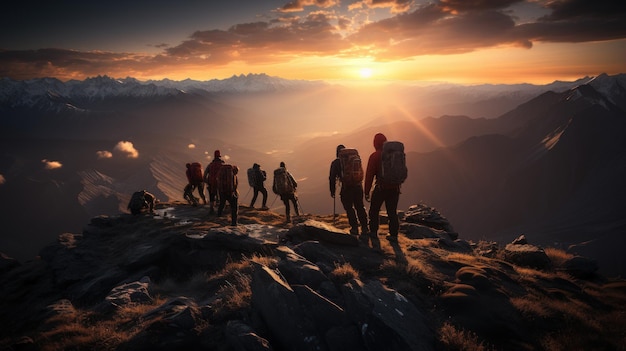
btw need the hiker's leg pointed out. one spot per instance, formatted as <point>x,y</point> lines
<point>346,201</point>
<point>264,193</point>
<point>391,204</point>
<point>201,192</point>
<point>234,209</point>
<point>256,193</point>
<point>287,209</point>
<point>360,208</point>
<point>295,204</point>
<point>222,205</point>
<point>377,202</point>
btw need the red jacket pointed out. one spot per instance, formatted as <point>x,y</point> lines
<point>374,163</point>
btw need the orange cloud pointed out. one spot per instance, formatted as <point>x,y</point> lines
<point>104,154</point>
<point>127,148</point>
<point>51,164</point>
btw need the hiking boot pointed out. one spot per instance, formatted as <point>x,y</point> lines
<point>264,208</point>
<point>392,238</point>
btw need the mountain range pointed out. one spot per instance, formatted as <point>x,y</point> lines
<point>499,161</point>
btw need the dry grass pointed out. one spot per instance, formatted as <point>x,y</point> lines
<point>455,339</point>
<point>86,330</point>
<point>343,273</point>
<point>557,256</point>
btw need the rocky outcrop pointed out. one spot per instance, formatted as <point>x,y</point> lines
<point>189,281</point>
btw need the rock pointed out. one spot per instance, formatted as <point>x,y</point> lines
<point>276,302</point>
<point>428,216</point>
<point>242,337</point>
<point>527,256</point>
<point>315,230</point>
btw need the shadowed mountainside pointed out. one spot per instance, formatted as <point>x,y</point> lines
<point>185,280</point>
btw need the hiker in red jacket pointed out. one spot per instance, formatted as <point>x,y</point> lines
<point>389,194</point>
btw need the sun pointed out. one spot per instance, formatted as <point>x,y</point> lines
<point>365,72</point>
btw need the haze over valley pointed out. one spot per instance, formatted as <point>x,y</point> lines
<point>547,161</point>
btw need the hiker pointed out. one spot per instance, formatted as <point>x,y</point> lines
<point>195,180</point>
<point>210,177</point>
<point>347,170</point>
<point>227,189</point>
<point>140,200</point>
<point>383,192</point>
<point>256,178</point>
<point>285,186</point>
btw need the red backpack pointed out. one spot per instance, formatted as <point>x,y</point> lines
<point>195,172</point>
<point>214,168</point>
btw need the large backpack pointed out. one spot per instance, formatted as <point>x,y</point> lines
<point>393,160</point>
<point>251,177</point>
<point>282,182</point>
<point>195,172</point>
<point>226,179</point>
<point>351,167</point>
<point>214,168</point>
<point>137,202</point>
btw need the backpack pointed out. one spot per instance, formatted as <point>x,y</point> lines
<point>251,177</point>
<point>351,167</point>
<point>226,179</point>
<point>214,168</point>
<point>393,161</point>
<point>195,171</point>
<point>282,182</point>
<point>137,202</point>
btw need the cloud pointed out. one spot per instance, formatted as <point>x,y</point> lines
<point>104,154</point>
<point>322,28</point>
<point>51,164</point>
<point>127,148</point>
<point>298,5</point>
<point>2,179</point>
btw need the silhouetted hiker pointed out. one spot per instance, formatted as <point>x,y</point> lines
<point>140,200</point>
<point>195,180</point>
<point>384,192</point>
<point>256,179</point>
<point>348,171</point>
<point>210,177</point>
<point>285,186</point>
<point>227,183</point>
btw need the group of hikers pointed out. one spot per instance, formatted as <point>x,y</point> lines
<point>385,172</point>
<point>222,183</point>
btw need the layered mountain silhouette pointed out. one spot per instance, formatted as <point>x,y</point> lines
<point>550,166</point>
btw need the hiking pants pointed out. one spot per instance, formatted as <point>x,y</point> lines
<point>200,187</point>
<point>290,197</point>
<point>234,207</point>
<point>390,198</point>
<point>352,201</point>
<point>263,191</point>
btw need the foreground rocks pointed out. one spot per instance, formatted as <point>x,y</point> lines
<point>190,281</point>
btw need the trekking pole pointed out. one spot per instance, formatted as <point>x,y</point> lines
<point>272,204</point>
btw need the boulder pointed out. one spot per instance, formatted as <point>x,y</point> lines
<point>315,230</point>
<point>527,256</point>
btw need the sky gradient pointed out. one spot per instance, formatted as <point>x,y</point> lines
<point>460,41</point>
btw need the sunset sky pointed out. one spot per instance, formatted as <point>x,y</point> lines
<point>461,41</point>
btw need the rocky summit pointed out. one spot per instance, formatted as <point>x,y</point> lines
<point>182,279</point>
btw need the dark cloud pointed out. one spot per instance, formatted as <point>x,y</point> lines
<point>299,5</point>
<point>579,9</point>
